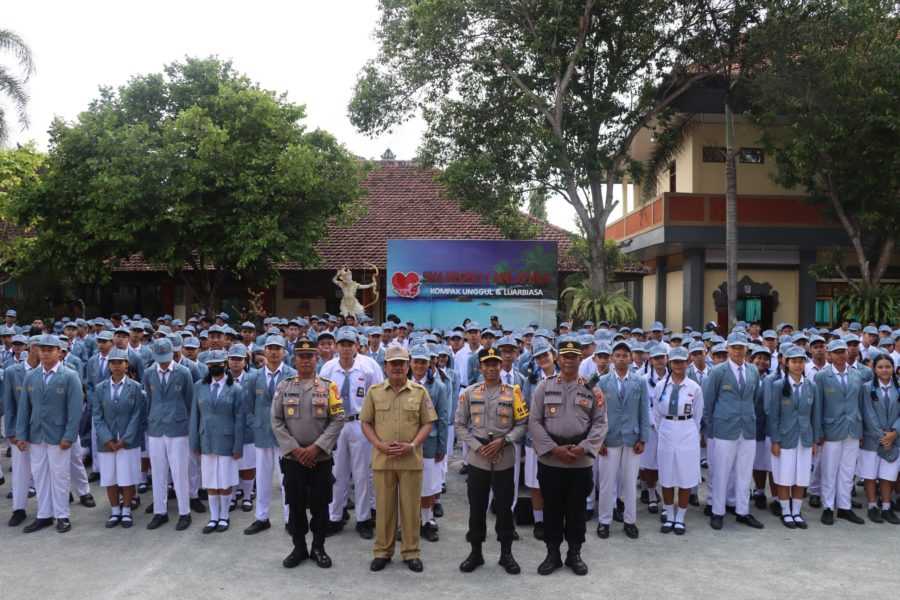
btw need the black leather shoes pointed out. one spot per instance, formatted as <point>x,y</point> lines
<point>37,525</point>
<point>574,562</point>
<point>429,532</point>
<point>63,525</point>
<point>694,500</point>
<point>849,515</point>
<point>631,531</point>
<point>775,508</point>
<point>750,521</point>
<point>184,521</point>
<point>815,501</point>
<point>297,556</point>
<point>474,560</point>
<point>333,528</point>
<point>759,500</point>
<point>539,531</point>
<point>800,522</point>
<point>890,516</point>
<point>322,560</point>
<point>667,527</point>
<point>379,563</point>
<point>149,509</point>
<point>827,517</point>
<point>875,515</point>
<point>716,522</point>
<point>223,525</point>
<point>707,511</point>
<point>509,564</point>
<point>210,527</point>
<point>17,518</point>
<point>257,526</point>
<point>602,531</point>
<point>415,565</point>
<point>365,529</point>
<point>438,510</point>
<point>87,501</point>
<point>197,505</point>
<point>552,562</point>
<point>157,521</point>
<point>788,522</point>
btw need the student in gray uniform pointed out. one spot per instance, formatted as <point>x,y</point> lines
<point>217,433</point>
<point>237,367</point>
<point>118,419</point>
<point>880,455</point>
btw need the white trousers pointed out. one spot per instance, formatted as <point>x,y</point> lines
<point>353,464</point>
<point>170,454</point>
<point>732,458</point>
<point>78,473</point>
<point>21,478</point>
<point>266,463</point>
<point>451,440</point>
<point>617,472</point>
<point>51,469</point>
<point>837,465</point>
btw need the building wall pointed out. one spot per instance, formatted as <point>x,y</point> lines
<point>674,300</point>
<point>648,314</point>
<point>786,282</point>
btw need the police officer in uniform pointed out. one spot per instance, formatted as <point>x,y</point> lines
<point>491,419</point>
<point>397,416</point>
<point>307,417</point>
<point>568,426</point>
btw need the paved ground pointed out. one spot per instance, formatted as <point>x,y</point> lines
<point>92,562</point>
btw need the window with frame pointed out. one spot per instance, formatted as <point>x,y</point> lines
<point>713,154</point>
<point>751,156</point>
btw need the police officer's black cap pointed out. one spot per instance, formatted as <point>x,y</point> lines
<point>488,354</point>
<point>304,346</point>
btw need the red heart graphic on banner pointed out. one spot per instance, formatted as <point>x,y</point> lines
<point>406,285</point>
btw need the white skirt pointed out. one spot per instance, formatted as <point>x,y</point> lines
<point>763,459</point>
<point>678,454</point>
<point>871,466</point>
<point>793,466</point>
<point>648,457</point>
<point>531,463</point>
<point>432,477</point>
<point>122,467</point>
<point>218,472</point>
<point>248,459</point>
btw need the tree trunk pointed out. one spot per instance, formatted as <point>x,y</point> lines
<point>597,275</point>
<point>731,232</point>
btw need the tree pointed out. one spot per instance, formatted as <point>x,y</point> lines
<point>527,94</point>
<point>829,99</point>
<point>12,82</point>
<point>537,204</point>
<point>197,170</point>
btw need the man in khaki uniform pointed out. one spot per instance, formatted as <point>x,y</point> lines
<point>307,417</point>
<point>491,420</point>
<point>567,426</point>
<point>396,418</point>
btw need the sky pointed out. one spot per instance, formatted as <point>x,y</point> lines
<point>310,49</point>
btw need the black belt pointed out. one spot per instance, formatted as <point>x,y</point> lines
<point>568,441</point>
<point>352,417</point>
<point>681,418</point>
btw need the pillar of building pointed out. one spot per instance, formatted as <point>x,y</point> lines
<point>661,271</point>
<point>807,289</point>
<point>692,304</point>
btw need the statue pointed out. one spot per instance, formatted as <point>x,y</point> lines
<point>349,304</point>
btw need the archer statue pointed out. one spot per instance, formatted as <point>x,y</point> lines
<point>349,304</point>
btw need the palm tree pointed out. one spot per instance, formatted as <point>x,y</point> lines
<point>12,83</point>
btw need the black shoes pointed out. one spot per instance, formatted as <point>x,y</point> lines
<point>552,562</point>
<point>87,501</point>
<point>149,509</point>
<point>631,531</point>
<point>539,530</point>
<point>17,518</point>
<point>464,470</point>
<point>142,488</point>
<point>94,476</point>
<point>788,522</point>
<point>63,525</point>
<point>322,560</point>
<point>197,505</point>
<point>827,517</point>
<point>429,532</point>
<point>667,527</point>
<point>890,516</point>
<point>848,515</point>
<point>157,521</point>
<point>184,521</point>
<point>223,525</point>
<point>815,501</point>
<point>716,522</point>
<point>875,515</point>
<point>37,525</point>
<point>113,521</point>
<point>257,526</point>
<point>438,510</point>
<point>379,563</point>
<point>415,565</point>
<point>365,529</point>
<point>680,529</point>
<point>750,521</point>
<point>694,500</point>
<point>707,510</point>
<point>574,562</point>
<point>602,531</point>
<point>775,508</point>
<point>474,560</point>
<point>297,556</point>
<point>210,527</point>
<point>333,528</point>
<point>759,500</point>
<point>509,564</point>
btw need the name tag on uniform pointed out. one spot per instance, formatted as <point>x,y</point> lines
<point>829,390</point>
<point>726,387</point>
<point>687,409</point>
<point>359,392</point>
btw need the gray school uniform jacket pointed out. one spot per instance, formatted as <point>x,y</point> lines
<point>13,378</point>
<point>729,410</point>
<point>790,418</point>
<point>217,424</point>
<point>628,417</point>
<point>439,392</point>
<point>880,417</point>
<point>169,407</point>
<point>49,413</point>
<point>119,419</point>
<point>261,401</point>
<point>838,415</point>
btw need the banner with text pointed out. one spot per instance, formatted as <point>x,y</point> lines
<point>439,283</point>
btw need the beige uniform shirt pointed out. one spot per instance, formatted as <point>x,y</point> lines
<point>487,413</point>
<point>397,417</point>
<point>304,412</point>
<point>562,414</point>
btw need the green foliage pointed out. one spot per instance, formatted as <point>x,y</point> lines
<point>537,204</point>
<point>584,304</point>
<point>197,169</point>
<point>18,167</point>
<point>879,304</point>
<point>12,82</point>
<point>615,258</point>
